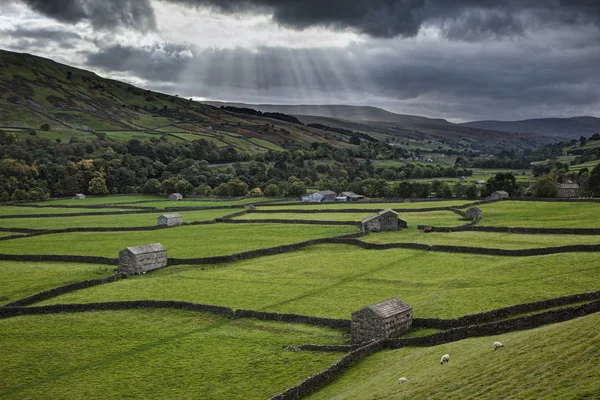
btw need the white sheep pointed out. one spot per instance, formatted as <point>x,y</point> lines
<point>497,345</point>
<point>402,380</point>
<point>445,359</point>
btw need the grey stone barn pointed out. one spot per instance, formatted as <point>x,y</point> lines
<point>500,194</point>
<point>320,197</point>
<point>80,196</point>
<point>386,220</point>
<point>568,189</point>
<point>140,259</point>
<point>170,220</point>
<point>381,321</point>
<point>474,212</point>
<point>462,179</point>
<point>175,197</point>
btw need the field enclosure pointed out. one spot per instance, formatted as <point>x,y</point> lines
<point>245,283</point>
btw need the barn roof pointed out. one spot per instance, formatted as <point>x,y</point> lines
<point>169,216</point>
<point>389,307</point>
<point>379,213</point>
<point>147,248</point>
<point>502,192</point>
<point>175,194</point>
<point>327,193</point>
<point>568,186</point>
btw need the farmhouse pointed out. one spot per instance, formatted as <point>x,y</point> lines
<point>568,189</point>
<point>473,212</point>
<point>320,197</point>
<point>350,196</point>
<point>386,220</point>
<point>175,197</point>
<point>500,194</point>
<point>170,220</point>
<point>380,321</point>
<point>80,196</point>
<point>140,259</point>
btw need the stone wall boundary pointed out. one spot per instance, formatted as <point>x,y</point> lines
<point>517,230</point>
<point>59,258</point>
<point>71,287</point>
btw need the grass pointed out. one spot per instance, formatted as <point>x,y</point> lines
<point>335,280</point>
<point>557,361</point>
<point>124,136</point>
<point>437,218</point>
<point>141,354</point>
<point>541,214</point>
<point>107,220</point>
<point>99,200</point>
<point>183,241</point>
<point>265,144</point>
<point>22,279</point>
<point>369,206</point>
<point>16,210</point>
<point>481,239</point>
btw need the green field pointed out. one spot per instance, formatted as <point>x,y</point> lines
<point>552,362</point>
<point>369,206</point>
<point>16,210</point>
<point>97,221</point>
<point>182,242</point>
<point>99,200</point>
<point>482,239</point>
<point>22,279</point>
<point>541,214</point>
<point>166,354</point>
<point>334,280</point>
<point>437,218</point>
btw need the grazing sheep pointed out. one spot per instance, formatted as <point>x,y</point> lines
<point>445,359</point>
<point>402,380</point>
<point>497,345</point>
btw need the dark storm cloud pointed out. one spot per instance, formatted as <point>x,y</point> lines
<point>377,18</point>
<point>389,18</point>
<point>136,14</point>
<point>42,33</point>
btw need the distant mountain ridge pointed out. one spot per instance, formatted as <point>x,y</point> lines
<point>560,128</point>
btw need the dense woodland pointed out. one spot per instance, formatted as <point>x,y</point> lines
<point>38,168</point>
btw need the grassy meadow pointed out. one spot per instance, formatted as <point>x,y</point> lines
<point>181,241</point>
<point>334,280</point>
<point>97,221</point>
<point>120,354</point>
<point>557,361</point>
<point>142,354</point>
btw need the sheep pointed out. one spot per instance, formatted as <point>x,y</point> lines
<point>497,345</point>
<point>402,380</point>
<point>445,359</point>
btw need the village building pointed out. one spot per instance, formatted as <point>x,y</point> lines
<point>500,194</point>
<point>80,196</point>
<point>175,197</point>
<point>462,179</point>
<point>568,189</point>
<point>380,321</point>
<point>349,196</point>
<point>386,220</point>
<point>320,197</point>
<point>473,213</point>
<point>140,259</point>
<point>170,220</point>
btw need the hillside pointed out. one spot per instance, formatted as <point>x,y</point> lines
<point>557,128</point>
<point>35,91</point>
<point>401,126</point>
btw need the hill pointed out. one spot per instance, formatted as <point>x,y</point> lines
<point>557,128</point>
<point>35,91</point>
<point>401,126</point>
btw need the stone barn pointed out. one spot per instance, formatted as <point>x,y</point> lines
<point>568,189</point>
<point>170,220</point>
<point>500,194</point>
<point>381,321</point>
<point>140,259</point>
<point>473,212</point>
<point>462,179</point>
<point>80,196</point>
<point>386,220</point>
<point>175,197</point>
<point>320,197</point>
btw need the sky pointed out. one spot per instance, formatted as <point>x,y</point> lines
<point>462,60</point>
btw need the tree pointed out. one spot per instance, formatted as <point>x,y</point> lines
<point>272,191</point>
<point>152,186</point>
<point>184,187</point>
<point>354,139</point>
<point>98,186</point>
<point>546,186</point>
<point>256,192</point>
<point>471,192</point>
<point>45,127</point>
<point>502,181</point>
